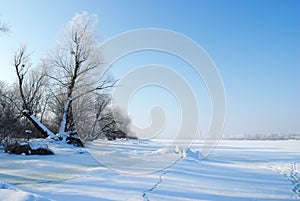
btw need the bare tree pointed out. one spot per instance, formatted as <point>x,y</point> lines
<point>10,125</point>
<point>22,65</point>
<point>30,88</point>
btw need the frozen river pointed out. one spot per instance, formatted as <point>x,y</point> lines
<point>151,170</point>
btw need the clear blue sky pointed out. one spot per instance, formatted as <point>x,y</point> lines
<point>254,44</point>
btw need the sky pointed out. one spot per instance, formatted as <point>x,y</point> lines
<point>255,46</point>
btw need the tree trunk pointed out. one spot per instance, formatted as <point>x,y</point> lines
<point>41,127</point>
<point>67,125</point>
<point>69,137</point>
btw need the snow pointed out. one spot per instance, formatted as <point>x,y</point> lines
<point>26,111</point>
<point>10,193</point>
<point>154,170</point>
<point>195,154</point>
<point>38,143</point>
<point>6,186</point>
<point>23,143</point>
<point>16,195</point>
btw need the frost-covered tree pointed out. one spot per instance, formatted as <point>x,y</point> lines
<point>115,123</point>
<point>65,87</point>
<point>76,68</point>
<point>74,64</point>
<point>100,119</point>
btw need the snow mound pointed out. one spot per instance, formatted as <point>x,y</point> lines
<point>9,193</point>
<point>16,195</point>
<point>38,143</point>
<point>6,186</point>
<point>169,150</point>
<point>184,152</point>
<point>190,153</point>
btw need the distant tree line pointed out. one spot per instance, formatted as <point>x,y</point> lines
<point>265,136</point>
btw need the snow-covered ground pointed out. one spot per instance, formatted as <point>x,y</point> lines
<point>150,170</point>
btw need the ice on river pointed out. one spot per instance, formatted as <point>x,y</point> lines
<point>155,170</point>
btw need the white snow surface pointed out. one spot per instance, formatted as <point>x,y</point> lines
<point>38,143</point>
<point>109,170</point>
<point>10,193</point>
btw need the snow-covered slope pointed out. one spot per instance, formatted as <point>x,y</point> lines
<point>10,193</point>
<point>150,170</point>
